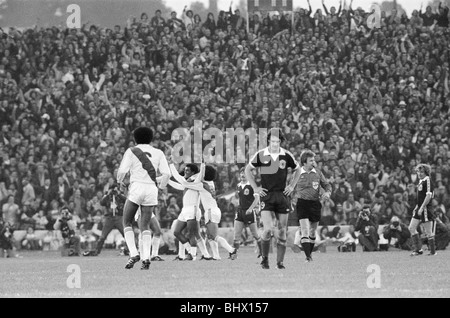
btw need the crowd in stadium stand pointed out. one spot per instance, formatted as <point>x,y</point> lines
<point>371,103</point>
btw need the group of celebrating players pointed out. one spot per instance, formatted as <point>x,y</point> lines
<point>149,170</point>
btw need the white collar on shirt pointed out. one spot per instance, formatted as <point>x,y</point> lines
<point>424,179</point>
<point>302,170</point>
<point>266,152</point>
<point>241,184</point>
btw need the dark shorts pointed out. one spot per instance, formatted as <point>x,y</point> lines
<point>309,209</point>
<point>427,214</point>
<point>276,202</point>
<point>245,218</point>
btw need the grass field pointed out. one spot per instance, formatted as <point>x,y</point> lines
<point>330,275</point>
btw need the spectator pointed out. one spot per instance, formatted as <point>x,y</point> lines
<point>26,217</point>
<point>368,228</point>
<point>428,17</point>
<point>397,234</point>
<point>351,208</point>
<point>348,241</point>
<point>400,207</point>
<point>6,240</point>
<point>327,212</point>
<point>11,213</point>
<point>40,220</point>
<point>362,103</point>
<point>30,241</point>
<point>28,192</point>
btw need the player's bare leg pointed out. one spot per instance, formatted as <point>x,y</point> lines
<point>182,240</point>
<point>282,235</point>
<point>254,230</point>
<point>156,239</point>
<point>238,228</point>
<point>268,224</point>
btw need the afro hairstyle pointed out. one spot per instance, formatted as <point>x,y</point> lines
<point>194,168</point>
<point>143,135</point>
<point>210,173</point>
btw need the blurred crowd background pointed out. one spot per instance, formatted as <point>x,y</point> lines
<point>371,103</point>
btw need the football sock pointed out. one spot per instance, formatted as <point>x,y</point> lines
<point>415,242</point>
<point>214,249</point>
<point>202,246</point>
<point>193,251</point>
<point>432,245</point>
<point>304,241</point>
<point>146,244</point>
<point>181,250</point>
<point>265,247</point>
<point>141,250</point>
<point>131,243</point>
<point>223,243</point>
<point>281,250</point>
<point>155,245</point>
<point>312,242</point>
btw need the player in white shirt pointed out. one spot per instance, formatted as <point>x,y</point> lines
<point>143,162</point>
<point>189,217</point>
<point>212,210</point>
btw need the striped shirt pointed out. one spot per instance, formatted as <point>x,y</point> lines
<point>308,186</point>
<point>131,163</point>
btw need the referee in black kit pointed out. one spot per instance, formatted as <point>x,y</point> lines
<point>308,182</point>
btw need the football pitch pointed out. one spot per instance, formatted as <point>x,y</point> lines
<point>331,275</point>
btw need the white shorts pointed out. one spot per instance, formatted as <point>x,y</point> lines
<point>214,215</point>
<point>187,213</point>
<point>143,194</point>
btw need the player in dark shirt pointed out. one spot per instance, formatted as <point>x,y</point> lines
<point>245,215</point>
<point>273,163</point>
<point>423,211</point>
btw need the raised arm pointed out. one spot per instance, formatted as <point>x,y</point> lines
<point>326,186</point>
<point>176,175</point>
<point>176,185</point>
<point>325,8</point>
